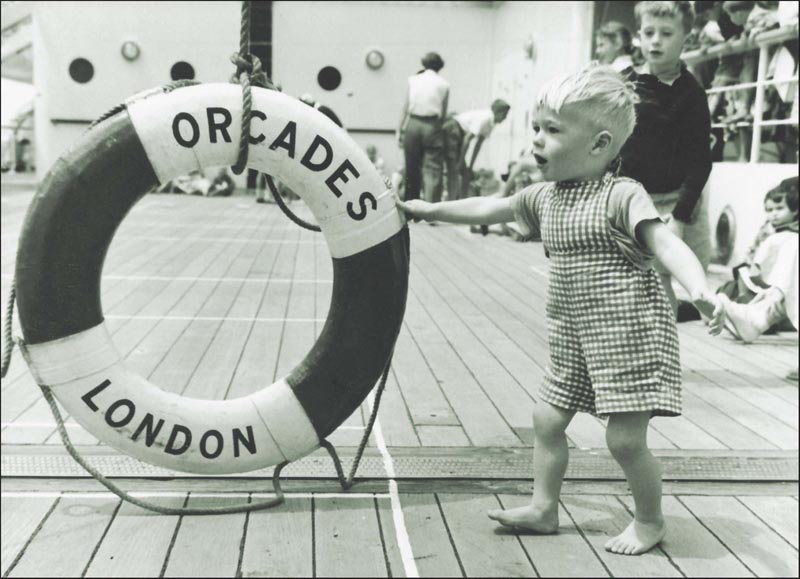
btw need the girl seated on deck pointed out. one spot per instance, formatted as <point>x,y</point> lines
<point>613,339</point>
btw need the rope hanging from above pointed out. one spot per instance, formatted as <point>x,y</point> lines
<point>249,71</point>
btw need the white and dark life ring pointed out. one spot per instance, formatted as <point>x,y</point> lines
<point>86,195</point>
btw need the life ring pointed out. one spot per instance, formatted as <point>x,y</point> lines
<point>80,204</point>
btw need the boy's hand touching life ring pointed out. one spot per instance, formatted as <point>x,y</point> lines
<point>416,209</point>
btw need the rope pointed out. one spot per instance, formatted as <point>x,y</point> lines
<point>62,431</point>
<point>167,88</point>
<point>288,212</point>
<point>8,339</point>
<point>347,483</point>
<point>248,71</point>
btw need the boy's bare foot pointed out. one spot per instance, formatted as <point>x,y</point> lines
<point>637,538</point>
<point>528,518</point>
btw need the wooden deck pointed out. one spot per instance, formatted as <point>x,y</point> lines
<point>216,298</point>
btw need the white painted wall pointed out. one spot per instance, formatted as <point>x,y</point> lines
<point>482,43</point>
<point>561,35</point>
<point>310,35</point>
<point>203,34</point>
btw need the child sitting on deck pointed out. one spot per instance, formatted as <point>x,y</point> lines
<point>765,288</point>
<point>613,339</point>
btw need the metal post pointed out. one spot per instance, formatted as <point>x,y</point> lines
<point>758,113</point>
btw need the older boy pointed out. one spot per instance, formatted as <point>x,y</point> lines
<point>670,151</point>
<point>459,132</point>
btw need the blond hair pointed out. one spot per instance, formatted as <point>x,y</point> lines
<point>600,94</point>
<point>670,8</point>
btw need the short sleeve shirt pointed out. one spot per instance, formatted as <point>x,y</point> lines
<point>628,206</point>
<point>426,93</point>
<point>479,123</point>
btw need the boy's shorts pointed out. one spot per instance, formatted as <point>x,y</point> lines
<point>696,233</point>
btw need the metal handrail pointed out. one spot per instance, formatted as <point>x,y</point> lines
<point>762,42</point>
<point>767,123</point>
<point>765,39</point>
<point>745,85</point>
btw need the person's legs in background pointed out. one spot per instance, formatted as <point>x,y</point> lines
<point>453,139</point>
<point>433,163</point>
<point>413,149</point>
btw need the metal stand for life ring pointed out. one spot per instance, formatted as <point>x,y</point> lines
<point>248,71</point>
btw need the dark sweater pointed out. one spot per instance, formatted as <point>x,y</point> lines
<point>670,146</point>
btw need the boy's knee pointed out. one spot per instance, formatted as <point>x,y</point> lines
<point>548,422</point>
<point>624,445</point>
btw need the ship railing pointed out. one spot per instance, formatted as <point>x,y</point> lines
<point>762,43</point>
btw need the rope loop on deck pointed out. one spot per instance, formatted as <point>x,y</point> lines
<point>8,339</point>
<point>347,483</point>
<point>62,431</point>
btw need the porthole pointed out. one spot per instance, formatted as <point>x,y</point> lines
<point>725,235</point>
<point>329,78</point>
<point>81,70</point>
<point>182,71</point>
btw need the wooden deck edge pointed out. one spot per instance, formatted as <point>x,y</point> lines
<point>50,461</point>
<point>317,486</point>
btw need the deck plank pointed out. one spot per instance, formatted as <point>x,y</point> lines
<point>347,538</point>
<point>391,544</point>
<point>602,517</point>
<point>434,555</point>
<point>755,544</point>
<point>217,539</point>
<point>565,554</point>
<point>424,398</point>
<point>64,545</point>
<point>19,518</point>
<point>692,547</point>
<point>481,421</point>
<point>278,542</point>
<point>398,430</point>
<point>780,513</point>
<point>483,552</point>
<point>437,435</point>
<point>137,541</point>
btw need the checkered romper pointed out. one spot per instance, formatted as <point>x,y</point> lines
<point>613,341</point>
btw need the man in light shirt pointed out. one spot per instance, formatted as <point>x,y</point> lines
<point>459,133</point>
<point>420,131</point>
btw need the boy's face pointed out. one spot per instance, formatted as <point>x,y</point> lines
<point>500,116</point>
<point>561,143</point>
<point>662,39</point>
<point>607,50</point>
<point>778,213</point>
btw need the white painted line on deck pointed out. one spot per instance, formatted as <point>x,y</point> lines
<point>76,425</point>
<point>403,540</point>
<point>220,239</point>
<point>211,318</point>
<point>170,494</point>
<point>214,279</point>
<point>540,272</point>
<point>37,425</point>
<point>209,279</point>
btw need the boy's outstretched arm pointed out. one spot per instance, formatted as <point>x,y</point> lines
<point>472,211</point>
<point>682,263</point>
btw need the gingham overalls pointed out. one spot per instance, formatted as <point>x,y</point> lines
<point>613,341</point>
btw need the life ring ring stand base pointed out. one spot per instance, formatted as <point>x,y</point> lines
<point>70,226</point>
